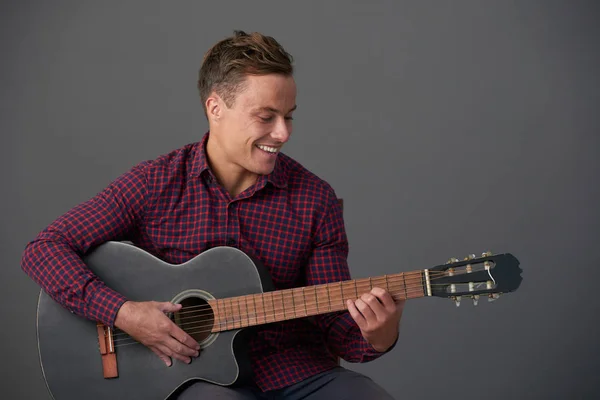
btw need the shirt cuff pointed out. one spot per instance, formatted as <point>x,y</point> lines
<point>371,351</point>
<point>104,304</point>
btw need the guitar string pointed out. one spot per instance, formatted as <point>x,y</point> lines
<point>229,325</point>
<point>229,303</point>
<point>288,293</point>
<point>208,327</point>
<point>310,305</point>
<point>237,322</point>
<point>257,315</point>
<point>200,308</point>
<point>287,297</point>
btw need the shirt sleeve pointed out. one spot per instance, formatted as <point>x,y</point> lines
<point>328,263</point>
<point>54,258</point>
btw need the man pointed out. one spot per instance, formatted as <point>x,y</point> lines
<point>232,188</point>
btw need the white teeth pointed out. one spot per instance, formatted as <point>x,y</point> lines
<point>267,148</point>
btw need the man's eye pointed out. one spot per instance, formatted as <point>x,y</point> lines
<point>289,118</point>
<point>267,119</point>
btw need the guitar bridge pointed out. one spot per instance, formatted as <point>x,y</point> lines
<point>107,351</point>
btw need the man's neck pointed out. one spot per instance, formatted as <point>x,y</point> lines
<point>232,177</point>
<point>234,182</point>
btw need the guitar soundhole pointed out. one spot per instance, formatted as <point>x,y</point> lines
<point>196,318</point>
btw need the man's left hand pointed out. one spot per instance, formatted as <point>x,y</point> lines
<point>378,317</point>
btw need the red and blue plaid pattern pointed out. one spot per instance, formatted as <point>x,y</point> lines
<point>173,208</point>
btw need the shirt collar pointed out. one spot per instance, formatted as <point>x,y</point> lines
<point>200,163</point>
<point>278,177</point>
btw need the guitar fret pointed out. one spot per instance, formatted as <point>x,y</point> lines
<point>405,290</point>
<point>220,315</point>
<point>283,305</point>
<point>328,297</point>
<point>230,321</point>
<point>255,310</point>
<point>231,315</point>
<point>264,308</point>
<point>273,303</point>
<point>217,316</point>
<point>268,313</point>
<point>264,301</point>
<point>239,313</point>
<point>304,297</point>
<point>293,304</point>
<point>240,316</point>
<point>247,312</point>
<point>224,305</point>
<point>309,303</point>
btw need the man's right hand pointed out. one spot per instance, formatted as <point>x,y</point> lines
<point>147,323</point>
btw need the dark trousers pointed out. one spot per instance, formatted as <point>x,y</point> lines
<point>338,383</point>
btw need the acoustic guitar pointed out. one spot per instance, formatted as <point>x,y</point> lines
<point>223,292</point>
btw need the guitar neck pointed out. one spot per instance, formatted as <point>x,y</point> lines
<point>263,308</point>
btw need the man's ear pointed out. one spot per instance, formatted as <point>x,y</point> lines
<point>214,107</point>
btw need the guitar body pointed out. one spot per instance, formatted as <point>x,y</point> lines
<point>69,347</point>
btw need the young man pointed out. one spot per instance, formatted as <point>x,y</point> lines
<point>232,188</point>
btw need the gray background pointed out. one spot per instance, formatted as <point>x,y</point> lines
<point>448,128</point>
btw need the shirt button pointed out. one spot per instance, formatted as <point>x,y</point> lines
<point>230,242</point>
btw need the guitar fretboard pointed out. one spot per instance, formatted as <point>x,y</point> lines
<point>263,308</point>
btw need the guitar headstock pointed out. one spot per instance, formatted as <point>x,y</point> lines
<point>489,275</point>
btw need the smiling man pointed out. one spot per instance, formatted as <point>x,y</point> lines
<point>247,134</point>
<point>232,188</point>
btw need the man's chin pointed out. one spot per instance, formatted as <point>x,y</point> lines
<point>263,169</point>
<point>264,172</point>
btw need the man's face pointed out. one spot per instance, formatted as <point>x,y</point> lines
<point>252,132</point>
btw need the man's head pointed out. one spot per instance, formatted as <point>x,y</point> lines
<point>248,93</point>
<point>226,64</point>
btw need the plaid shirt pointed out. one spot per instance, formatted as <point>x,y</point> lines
<point>174,208</point>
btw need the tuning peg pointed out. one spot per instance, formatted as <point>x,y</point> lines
<point>469,267</point>
<point>452,260</point>
<point>486,254</point>
<point>493,297</point>
<point>456,300</point>
<point>475,299</point>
